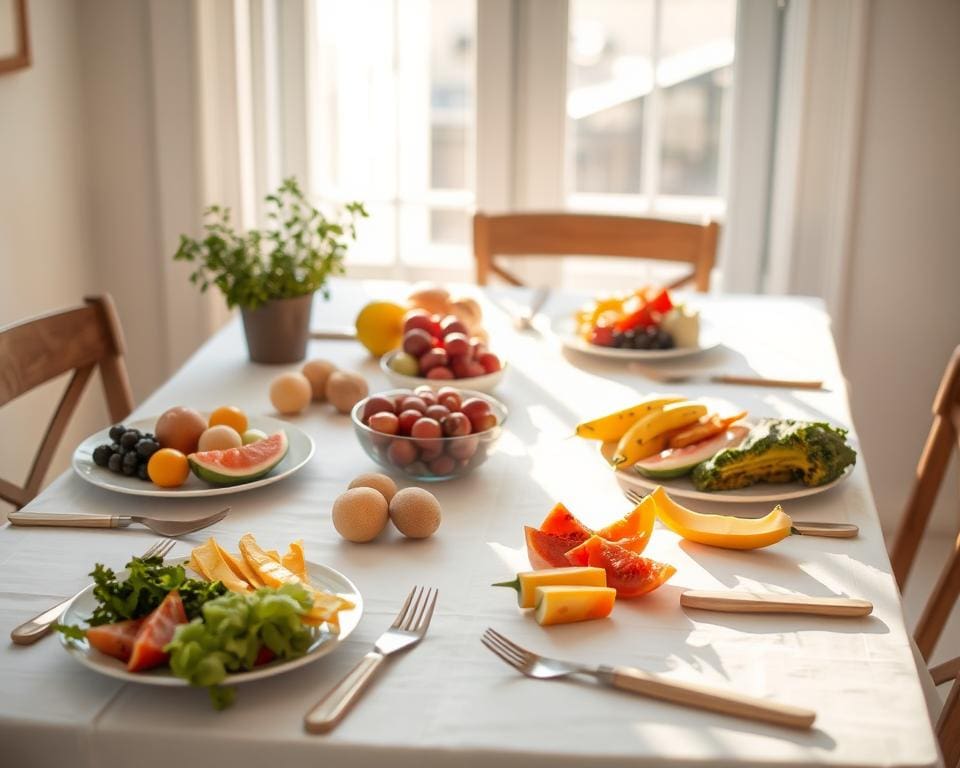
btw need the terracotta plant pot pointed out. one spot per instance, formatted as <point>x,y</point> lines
<point>278,331</point>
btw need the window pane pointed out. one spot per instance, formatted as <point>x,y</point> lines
<point>694,72</point>
<point>394,118</point>
<point>610,71</point>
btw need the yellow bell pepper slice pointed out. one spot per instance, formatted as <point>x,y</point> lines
<point>564,605</point>
<point>527,582</point>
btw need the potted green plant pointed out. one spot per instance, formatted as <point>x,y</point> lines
<point>272,274</point>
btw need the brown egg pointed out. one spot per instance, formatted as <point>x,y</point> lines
<point>180,428</point>
<point>360,514</point>
<point>415,512</point>
<point>317,373</point>
<point>378,482</point>
<point>290,393</point>
<point>344,390</point>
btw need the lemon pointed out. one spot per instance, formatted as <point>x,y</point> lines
<point>380,327</point>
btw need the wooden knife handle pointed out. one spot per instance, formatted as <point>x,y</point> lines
<point>706,697</point>
<point>759,381</point>
<point>732,601</point>
<point>828,530</point>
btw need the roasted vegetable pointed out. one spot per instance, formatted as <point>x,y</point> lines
<point>779,451</point>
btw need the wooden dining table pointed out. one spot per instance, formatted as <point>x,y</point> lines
<point>449,701</point>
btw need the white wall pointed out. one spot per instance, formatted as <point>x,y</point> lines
<point>903,315</point>
<point>45,261</point>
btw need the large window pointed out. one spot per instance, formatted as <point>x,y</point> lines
<point>647,102</point>
<point>394,105</point>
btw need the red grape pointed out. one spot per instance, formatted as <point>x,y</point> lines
<point>449,397</point>
<point>414,403</point>
<point>464,447</point>
<point>489,361</point>
<point>432,359</point>
<point>440,372</point>
<point>418,318</point>
<point>451,324</point>
<point>407,420</point>
<point>474,409</point>
<point>456,344</point>
<point>385,422</point>
<point>442,465</point>
<point>402,452</point>
<point>456,425</point>
<point>484,422</point>
<point>427,433</point>
<point>437,412</point>
<point>377,404</point>
<point>417,342</point>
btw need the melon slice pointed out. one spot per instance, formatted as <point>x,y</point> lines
<point>678,462</point>
<point>234,466</point>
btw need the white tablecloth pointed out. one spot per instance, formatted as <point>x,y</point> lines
<point>450,701</point>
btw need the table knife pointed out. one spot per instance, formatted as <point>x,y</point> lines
<point>735,601</point>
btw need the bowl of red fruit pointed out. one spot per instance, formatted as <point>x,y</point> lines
<point>428,435</point>
<point>436,351</point>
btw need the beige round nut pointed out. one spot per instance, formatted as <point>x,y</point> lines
<point>360,514</point>
<point>415,512</point>
<point>344,390</point>
<point>317,373</point>
<point>378,482</point>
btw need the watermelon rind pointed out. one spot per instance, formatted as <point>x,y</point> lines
<point>214,473</point>
<point>680,462</point>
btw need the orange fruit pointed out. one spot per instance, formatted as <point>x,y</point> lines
<point>168,468</point>
<point>231,416</point>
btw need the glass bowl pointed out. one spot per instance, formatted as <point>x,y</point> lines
<point>433,459</point>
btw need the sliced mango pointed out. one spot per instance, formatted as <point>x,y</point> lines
<point>294,561</point>
<point>240,568</point>
<point>527,582</point>
<point>215,568</point>
<point>564,605</point>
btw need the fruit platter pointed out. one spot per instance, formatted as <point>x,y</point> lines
<point>185,454</point>
<point>429,436</point>
<point>698,453</point>
<point>186,621</point>
<point>645,324</point>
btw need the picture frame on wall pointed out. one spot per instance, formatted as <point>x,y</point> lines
<point>14,36</point>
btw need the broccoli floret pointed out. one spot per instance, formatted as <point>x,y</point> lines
<point>779,451</point>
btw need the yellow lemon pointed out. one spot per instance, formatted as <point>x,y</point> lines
<point>380,327</point>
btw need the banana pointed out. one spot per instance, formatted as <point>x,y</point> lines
<point>614,425</point>
<point>640,441</point>
<point>721,530</point>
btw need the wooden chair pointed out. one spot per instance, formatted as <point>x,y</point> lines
<point>35,351</point>
<point>575,234</point>
<point>944,437</point>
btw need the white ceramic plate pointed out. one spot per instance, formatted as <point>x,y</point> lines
<point>565,331</point>
<point>682,488</point>
<point>478,383</point>
<point>298,453</point>
<point>324,642</point>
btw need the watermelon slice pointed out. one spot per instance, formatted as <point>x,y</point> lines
<point>548,550</point>
<point>630,574</point>
<point>561,521</point>
<point>156,632</point>
<point>234,466</point>
<point>677,462</point>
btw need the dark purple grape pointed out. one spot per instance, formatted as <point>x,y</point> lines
<point>664,340</point>
<point>101,455</point>
<point>146,448</point>
<point>142,472</point>
<point>129,439</point>
<point>116,432</point>
<point>115,462</point>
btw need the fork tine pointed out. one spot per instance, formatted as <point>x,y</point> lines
<point>510,644</point>
<point>423,620</point>
<point>505,650</point>
<point>151,550</point>
<point>403,610</point>
<point>165,547</point>
<point>499,654</point>
<point>633,496</point>
<point>409,622</point>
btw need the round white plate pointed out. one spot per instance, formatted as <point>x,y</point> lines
<point>300,449</point>
<point>324,641</point>
<point>682,488</point>
<point>478,383</point>
<point>566,332</point>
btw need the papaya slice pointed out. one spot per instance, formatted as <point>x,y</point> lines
<point>560,521</point>
<point>636,523</point>
<point>548,550</point>
<point>627,572</point>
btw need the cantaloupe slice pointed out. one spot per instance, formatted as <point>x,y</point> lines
<point>563,605</point>
<point>239,566</point>
<point>294,560</point>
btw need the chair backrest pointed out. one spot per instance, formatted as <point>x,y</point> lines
<point>576,234</point>
<point>38,350</point>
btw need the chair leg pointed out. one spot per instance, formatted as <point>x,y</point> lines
<point>948,727</point>
<point>941,603</point>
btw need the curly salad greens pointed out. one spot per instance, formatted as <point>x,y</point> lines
<point>226,632</point>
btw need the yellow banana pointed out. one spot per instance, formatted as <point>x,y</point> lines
<point>722,530</point>
<point>640,441</point>
<point>614,425</point>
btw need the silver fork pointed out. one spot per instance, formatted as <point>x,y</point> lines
<point>653,686</point>
<point>31,631</point>
<point>824,530</point>
<point>407,630</point>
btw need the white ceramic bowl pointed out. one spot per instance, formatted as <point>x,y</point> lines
<point>478,383</point>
